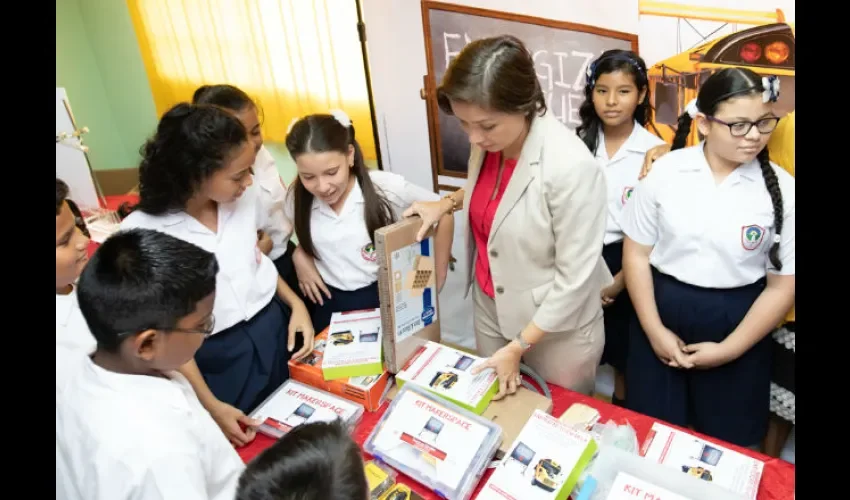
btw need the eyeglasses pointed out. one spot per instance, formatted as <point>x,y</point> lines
<point>740,129</point>
<point>206,330</point>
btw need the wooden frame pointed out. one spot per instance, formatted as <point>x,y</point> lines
<point>429,92</point>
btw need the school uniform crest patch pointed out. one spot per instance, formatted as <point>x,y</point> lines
<point>627,193</point>
<point>752,236</point>
<point>368,253</point>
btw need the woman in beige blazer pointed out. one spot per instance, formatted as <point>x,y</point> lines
<point>536,205</point>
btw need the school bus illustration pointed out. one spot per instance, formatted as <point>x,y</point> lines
<point>700,472</point>
<point>444,379</point>
<point>547,474</point>
<point>767,50</point>
<point>397,492</point>
<point>340,338</point>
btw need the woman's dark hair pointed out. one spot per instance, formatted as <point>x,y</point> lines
<point>61,195</point>
<point>190,144</point>
<point>315,461</point>
<point>718,88</point>
<point>62,191</point>
<point>224,96</point>
<point>321,133</point>
<point>610,61</point>
<point>493,73</point>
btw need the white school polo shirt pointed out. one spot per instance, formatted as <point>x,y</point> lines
<point>622,172</point>
<point>137,437</point>
<point>247,279</point>
<point>272,195</point>
<point>347,258</point>
<point>73,338</point>
<point>708,235</point>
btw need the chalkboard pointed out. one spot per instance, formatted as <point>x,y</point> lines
<point>562,52</point>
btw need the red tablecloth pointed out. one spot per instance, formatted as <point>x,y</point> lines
<point>777,481</point>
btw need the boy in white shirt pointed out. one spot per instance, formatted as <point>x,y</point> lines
<point>72,333</point>
<point>128,425</point>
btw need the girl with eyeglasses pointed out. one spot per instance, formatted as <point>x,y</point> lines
<point>709,265</point>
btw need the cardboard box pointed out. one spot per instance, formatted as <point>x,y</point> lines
<point>367,391</point>
<point>447,372</point>
<point>510,413</point>
<point>410,312</point>
<point>354,345</point>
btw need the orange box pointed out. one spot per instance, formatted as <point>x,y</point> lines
<point>369,393</point>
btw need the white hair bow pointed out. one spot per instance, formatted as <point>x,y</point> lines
<point>691,109</point>
<point>771,88</point>
<point>341,117</point>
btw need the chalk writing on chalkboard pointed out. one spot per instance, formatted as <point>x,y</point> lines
<point>561,51</point>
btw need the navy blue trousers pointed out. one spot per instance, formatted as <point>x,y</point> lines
<point>730,402</point>
<point>245,363</point>
<point>617,316</point>
<point>342,301</point>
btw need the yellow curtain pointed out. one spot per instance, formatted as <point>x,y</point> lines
<point>293,57</point>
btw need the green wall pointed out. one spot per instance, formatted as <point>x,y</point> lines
<point>88,49</point>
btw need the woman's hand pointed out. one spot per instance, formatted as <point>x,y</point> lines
<point>309,280</point>
<point>299,321</point>
<point>229,419</point>
<point>611,292</point>
<point>669,348</point>
<point>430,212</point>
<point>506,363</point>
<point>652,155</point>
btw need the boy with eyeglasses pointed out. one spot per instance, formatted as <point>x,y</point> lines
<point>128,424</point>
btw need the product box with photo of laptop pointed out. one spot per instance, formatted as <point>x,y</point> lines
<point>447,372</point>
<point>407,284</point>
<point>294,403</point>
<point>353,347</point>
<point>368,391</point>
<point>702,459</point>
<point>437,443</point>
<point>545,462</point>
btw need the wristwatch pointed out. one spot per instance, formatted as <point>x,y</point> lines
<point>522,343</point>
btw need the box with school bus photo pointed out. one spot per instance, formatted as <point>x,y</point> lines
<point>353,348</point>
<point>369,391</point>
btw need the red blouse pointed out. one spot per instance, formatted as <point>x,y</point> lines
<point>482,211</point>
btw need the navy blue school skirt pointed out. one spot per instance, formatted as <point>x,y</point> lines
<point>618,315</point>
<point>286,269</point>
<point>730,402</point>
<point>342,301</point>
<point>245,363</point>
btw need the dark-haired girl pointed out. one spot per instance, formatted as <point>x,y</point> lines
<point>275,233</point>
<point>615,109</point>
<point>709,263</point>
<point>336,204</point>
<point>195,184</point>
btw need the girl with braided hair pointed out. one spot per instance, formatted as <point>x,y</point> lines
<point>709,261</point>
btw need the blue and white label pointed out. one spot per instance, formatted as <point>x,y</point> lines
<point>415,287</point>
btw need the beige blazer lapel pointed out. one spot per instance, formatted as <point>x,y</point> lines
<point>523,173</point>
